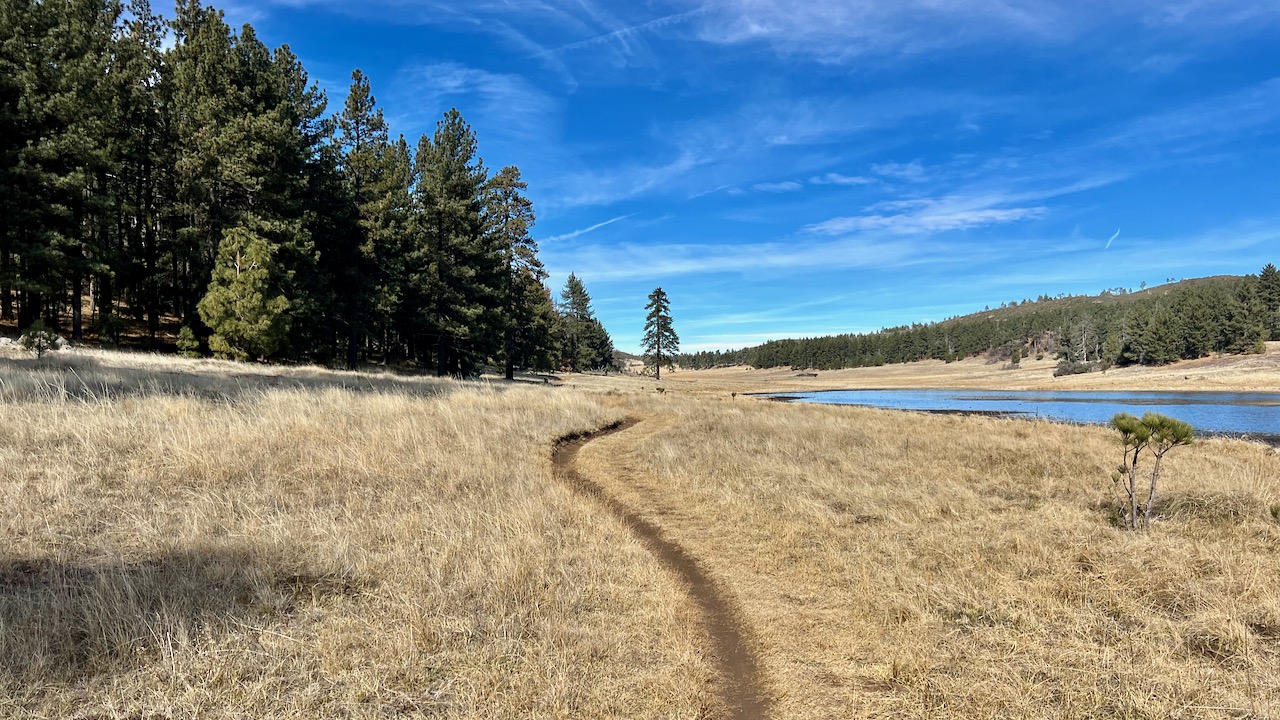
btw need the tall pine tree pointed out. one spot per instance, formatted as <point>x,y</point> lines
<point>660,340</point>
<point>584,343</point>
<point>456,272</point>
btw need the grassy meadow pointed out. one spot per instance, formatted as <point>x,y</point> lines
<point>905,565</point>
<point>205,539</point>
<point>310,544</point>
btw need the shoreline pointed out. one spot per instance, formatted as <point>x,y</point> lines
<point>1270,439</point>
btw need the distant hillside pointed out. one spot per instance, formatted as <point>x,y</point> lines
<point>1182,320</point>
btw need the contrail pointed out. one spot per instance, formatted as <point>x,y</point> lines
<point>584,231</point>
<point>1113,239</point>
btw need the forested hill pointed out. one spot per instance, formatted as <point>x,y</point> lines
<point>1182,320</point>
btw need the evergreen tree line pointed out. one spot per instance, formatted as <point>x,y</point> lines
<point>160,171</point>
<point>1155,326</point>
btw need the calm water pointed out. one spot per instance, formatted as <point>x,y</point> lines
<point>1208,412</point>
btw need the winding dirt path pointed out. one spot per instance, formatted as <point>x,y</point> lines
<point>741,692</point>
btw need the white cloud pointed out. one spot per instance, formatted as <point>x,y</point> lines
<point>603,186</point>
<point>623,261</point>
<point>1229,116</point>
<point>835,32</point>
<point>487,100</point>
<point>927,220</point>
<point>778,187</point>
<point>909,172</point>
<point>838,179</point>
<point>839,31</point>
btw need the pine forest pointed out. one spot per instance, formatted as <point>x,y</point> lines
<point>178,183</point>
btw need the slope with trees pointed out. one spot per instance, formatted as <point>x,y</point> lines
<point>1184,320</point>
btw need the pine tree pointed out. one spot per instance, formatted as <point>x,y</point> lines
<point>143,147</point>
<point>456,273</point>
<point>1242,329</point>
<point>509,217</point>
<point>17,30</point>
<point>584,342</point>
<point>59,57</point>
<point>244,308</point>
<point>362,139</point>
<point>1269,297</point>
<point>207,156</point>
<point>532,344</point>
<point>391,238</point>
<point>660,340</point>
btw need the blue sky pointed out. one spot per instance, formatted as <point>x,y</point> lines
<point>787,169</point>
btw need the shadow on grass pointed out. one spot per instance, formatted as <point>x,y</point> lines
<point>83,378</point>
<point>60,622</point>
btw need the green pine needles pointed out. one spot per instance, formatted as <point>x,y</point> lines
<point>1155,433</point>
<point>39,339</point>
<point>660,340</point>
<point>247,316</point>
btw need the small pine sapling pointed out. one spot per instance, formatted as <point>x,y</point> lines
<point>39,339</point>
<point>1153,432</point>
<point>188,343</point>
<point>1166,434</point>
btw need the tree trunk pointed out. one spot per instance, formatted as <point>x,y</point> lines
<point>353,341</point>
<point>1151,495</point>
<point>77,308</point>
<point>6,269</point>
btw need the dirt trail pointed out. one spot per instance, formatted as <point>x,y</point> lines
<point>741,693</point>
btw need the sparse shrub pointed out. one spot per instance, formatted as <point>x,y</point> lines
<point>1157,433</point>
<point>1275,512</point>
<point>110,328</point>
<point>188,343</point>
<point>39,339</point>
<point>1072,367</point>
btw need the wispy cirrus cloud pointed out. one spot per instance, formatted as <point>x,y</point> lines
<point>958,210</point>
<point>840,32</point>
<point>785,186</point>
<point>936,216</point>
<point>584,231</point>
<point>631,260</point>
<point>832,178</point>
<point>488,101</point>
<point>607,185</point>
<point>908,172</point>
<point>1227,117</point>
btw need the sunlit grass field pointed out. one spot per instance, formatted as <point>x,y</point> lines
<point>205,539</point>
<point>913,565</point>
<point>200,539</point>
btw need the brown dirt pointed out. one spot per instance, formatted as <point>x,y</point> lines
<point>741,693</point>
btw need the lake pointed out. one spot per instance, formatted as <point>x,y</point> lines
<point>1229,413</point>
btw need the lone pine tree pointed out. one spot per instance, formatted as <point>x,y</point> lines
<point>660,340</point>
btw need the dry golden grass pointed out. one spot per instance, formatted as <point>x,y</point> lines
<point>903,565</point>
<point>209,540</point>
<point>202,539</point>
<point>1228,373</point>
